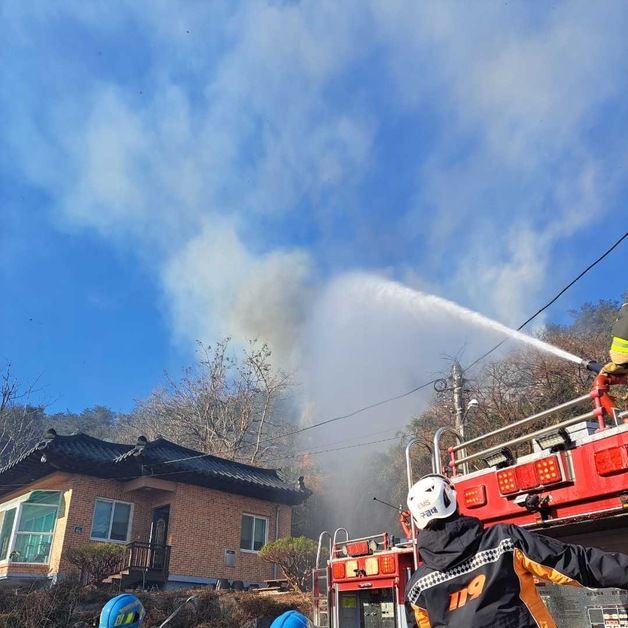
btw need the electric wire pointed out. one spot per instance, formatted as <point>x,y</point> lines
<point>389,399</point>
<point>553,300</point>
<point>273,460</point>
<point>426,384</point>
<point>325,451</point>
<point>325,422</point>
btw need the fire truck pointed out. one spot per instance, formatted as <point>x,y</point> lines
<point>572,485</point>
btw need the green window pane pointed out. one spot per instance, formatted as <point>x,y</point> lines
<point>44,497</point>
<point>5,532</point>
<point>102,519</point>
<point>120,523</point>
<point>31,548</point>
<point>37,518</point>
<point>260,534</point>
<point>246,536</point>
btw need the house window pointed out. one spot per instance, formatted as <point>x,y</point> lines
<point>111,520</point>
<point>30,540</point>
<point>33,537</point>
<point>254,533</point>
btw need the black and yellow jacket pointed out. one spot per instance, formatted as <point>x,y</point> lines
<point>476,577</point>
<point>619,346</point>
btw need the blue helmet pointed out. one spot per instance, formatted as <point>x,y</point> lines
<point>291,619</point>
<point>123,610</point>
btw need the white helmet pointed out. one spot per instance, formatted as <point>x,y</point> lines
<point>432,497</point>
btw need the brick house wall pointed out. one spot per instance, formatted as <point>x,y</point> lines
<point>24,571</point>
<point>85,491</point>
<point>203,523</point>
<point>210,522</point>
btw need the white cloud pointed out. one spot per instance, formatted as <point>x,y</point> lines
<point>240,127</point>
<point>172,176</point>
<point>111,189</point>
<point>201,279</point>
<point>513,175</point>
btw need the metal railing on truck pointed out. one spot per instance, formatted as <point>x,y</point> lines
<point>604,412</point>
<point>320,583</point>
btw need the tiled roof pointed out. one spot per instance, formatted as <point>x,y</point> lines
<point>80,453</point>
<point>162,451</point>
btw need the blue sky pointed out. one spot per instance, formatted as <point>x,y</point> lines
<point>180,171</point>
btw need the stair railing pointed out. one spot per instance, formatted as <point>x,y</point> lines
<point>144,556</point>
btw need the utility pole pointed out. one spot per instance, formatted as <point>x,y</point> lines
<point>457,385</point>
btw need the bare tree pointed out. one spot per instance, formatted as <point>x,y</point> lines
<point>228,405</point>
<point>19,424</point>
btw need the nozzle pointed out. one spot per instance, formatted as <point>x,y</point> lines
<point>591,365</point>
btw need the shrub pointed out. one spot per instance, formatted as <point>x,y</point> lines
<point>45,608</point>
<point>95,561</point>
<point>296,557</point>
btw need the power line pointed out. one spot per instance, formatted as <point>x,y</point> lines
<point>367,435</point>
<point>554,299</point>
<point>325,451</point>
<point>402,395</point>
<point>383,401</point>
<point>277,459</point>
<point>426,384</point>
<point>409,392</point>
<point>326,422</point>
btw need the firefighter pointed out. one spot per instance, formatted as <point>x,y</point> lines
<point>123,610</point>
<point>480,577</point>
<point>619,345</point>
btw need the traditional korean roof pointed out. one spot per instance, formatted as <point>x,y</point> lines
<point>86,455</point>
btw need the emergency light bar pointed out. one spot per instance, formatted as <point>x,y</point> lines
<point>359,548</point>
<point>338,571</point>
<point>475,496</point>
<point>612,460</point>
<point>351,568</point>
<point>369,566</point>
<point>539,473</point>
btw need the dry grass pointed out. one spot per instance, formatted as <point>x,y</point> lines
<point>67,605</point>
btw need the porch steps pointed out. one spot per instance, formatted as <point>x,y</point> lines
<point>143,563</point>
<point>130,577</point>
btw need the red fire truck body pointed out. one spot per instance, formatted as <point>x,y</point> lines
<point>363,583</point>
<point>568,485</point>
<point>572,486</point>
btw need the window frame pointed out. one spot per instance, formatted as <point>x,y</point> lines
<point>4,511</point>
<point>129,524</point>
<point>254,517</point>
<point>17,503</point>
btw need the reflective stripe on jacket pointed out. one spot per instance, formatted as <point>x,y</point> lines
<point>620,332</point>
